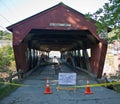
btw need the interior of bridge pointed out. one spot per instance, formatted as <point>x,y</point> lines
<point>72,44</point>
<point>59,40</point>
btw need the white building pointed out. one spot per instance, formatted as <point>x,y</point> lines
<point>5,43</point>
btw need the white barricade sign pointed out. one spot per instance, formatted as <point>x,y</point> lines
<point>67,79</point>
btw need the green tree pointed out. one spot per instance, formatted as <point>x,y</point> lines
<point>6,59</point>
<point>4,35</point>
<point>107,16</point>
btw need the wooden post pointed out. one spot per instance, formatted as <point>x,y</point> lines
<point>20,74</point>
<point>10,77</point>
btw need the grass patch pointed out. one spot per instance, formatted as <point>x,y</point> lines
<point>5,90</point>
<point>117,88</point>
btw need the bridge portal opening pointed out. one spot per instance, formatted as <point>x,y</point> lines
<point>52,54</point>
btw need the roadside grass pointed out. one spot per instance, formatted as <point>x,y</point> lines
<point>117,88</point>
<point>6,89</point>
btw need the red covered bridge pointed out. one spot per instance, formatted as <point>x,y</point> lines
<point>59,28</point>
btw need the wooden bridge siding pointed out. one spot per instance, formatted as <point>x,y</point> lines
<point>41,21</point>
<point>20,53</point>
<point>98,53</point>
<point>97,59</point>
<point>102,53</point>
<point>21,57</point>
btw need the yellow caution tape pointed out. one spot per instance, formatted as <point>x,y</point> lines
<point>81,86</point>
<point>19,85</point>
<point>98,85</point>
<point>65,88</point>
<point>14,84</point>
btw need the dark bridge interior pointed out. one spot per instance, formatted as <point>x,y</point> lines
<point>59,40</point>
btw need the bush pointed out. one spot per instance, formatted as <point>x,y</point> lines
<point>117,88</point>
<point>5,90</point>
<point>7,62</point>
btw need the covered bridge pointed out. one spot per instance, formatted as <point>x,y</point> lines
<point>59,28</point>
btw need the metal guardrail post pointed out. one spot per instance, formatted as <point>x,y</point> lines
<point>10,77</point>
<point>20,74</point>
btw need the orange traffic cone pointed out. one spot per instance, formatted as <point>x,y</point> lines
<point>47,90</point>
<point>88,91</point>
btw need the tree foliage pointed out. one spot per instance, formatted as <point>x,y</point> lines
<point>6,59</point>
<point>4,35</point>
<point>114,35</point>
<point>107,16</point>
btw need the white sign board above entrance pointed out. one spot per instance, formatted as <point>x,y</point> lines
<point>60,24</point>
<point>67,79</point>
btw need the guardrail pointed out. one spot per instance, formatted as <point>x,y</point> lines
<point>19,74</point>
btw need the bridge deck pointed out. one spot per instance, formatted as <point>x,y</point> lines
<point>33,93</point>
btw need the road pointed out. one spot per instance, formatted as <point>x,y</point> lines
<point>33,92</point>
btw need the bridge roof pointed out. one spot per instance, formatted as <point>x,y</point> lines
<point>57,28</point>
